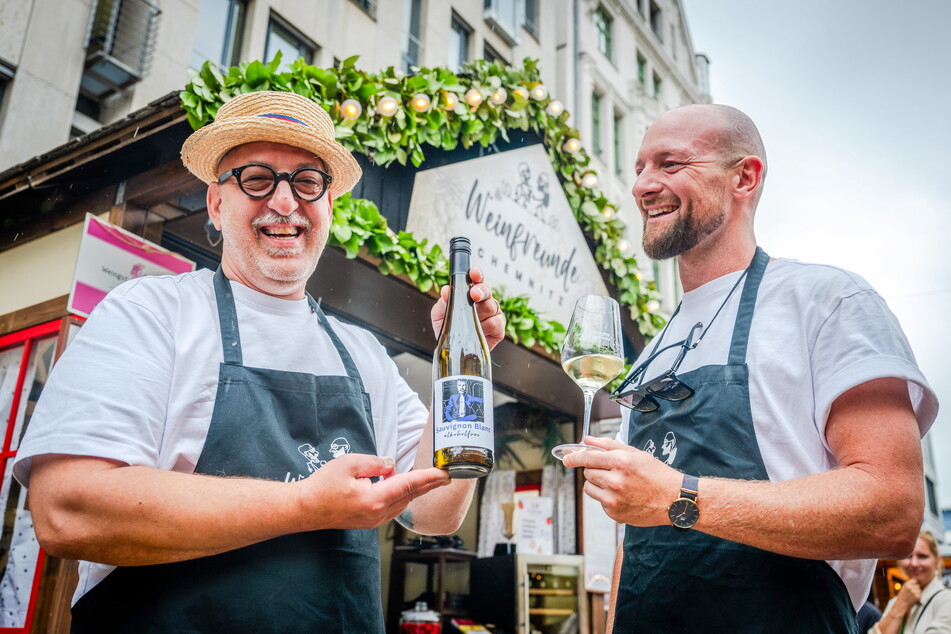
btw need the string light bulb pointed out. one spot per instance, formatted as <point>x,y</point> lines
<point>520,92</point>
<point>351,109</point>
<point>539,92</point>
<point>451,100</point>
<point>590,180</point>
<point>420,102</point>
<point>499,96</point>
<point>555,108</point>
<point>572,145</point>
<point>608,213</point>
<point>653,306</point>
<point>387,106</point>
<point>473,97</point>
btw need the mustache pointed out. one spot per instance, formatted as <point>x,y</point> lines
<point>295,218</point>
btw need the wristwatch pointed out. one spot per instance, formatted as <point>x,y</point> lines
<point>684,512</point>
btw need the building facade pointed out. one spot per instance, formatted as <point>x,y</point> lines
<point>615,64</point>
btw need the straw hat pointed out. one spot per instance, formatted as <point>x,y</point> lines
<point>278,117</point>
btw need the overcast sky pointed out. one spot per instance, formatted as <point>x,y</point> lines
<point>853,100</point>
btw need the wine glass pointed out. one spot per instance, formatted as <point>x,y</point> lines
<point>591,354</point>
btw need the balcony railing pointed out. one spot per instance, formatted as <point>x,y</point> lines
<point>119,44</point>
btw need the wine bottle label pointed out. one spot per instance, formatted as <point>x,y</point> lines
<point>462,412</point>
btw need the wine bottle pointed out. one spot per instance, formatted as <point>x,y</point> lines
<point>463,431</point>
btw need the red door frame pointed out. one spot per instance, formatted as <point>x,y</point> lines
<point>28,337</point>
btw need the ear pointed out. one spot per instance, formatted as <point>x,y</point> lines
<point>213,201</point>
<point>750,178</point>
<point>330,206</point>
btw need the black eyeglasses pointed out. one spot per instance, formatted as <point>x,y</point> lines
<point>667,386</point>
<point>259,181</point>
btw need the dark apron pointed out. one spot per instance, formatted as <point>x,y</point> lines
<point>676,580</point>
<point>273,425</point>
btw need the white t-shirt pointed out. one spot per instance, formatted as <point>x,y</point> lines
<point>138,383</point>
<point>817,331</point>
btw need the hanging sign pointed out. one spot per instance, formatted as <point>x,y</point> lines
<point>108,256</point>
<point>524,235</point>
<point>534,530</point>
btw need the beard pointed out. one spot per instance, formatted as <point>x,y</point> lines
<point>283,265</point>
<point>685,234</point>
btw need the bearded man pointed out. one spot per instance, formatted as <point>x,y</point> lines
<point>795,401</point>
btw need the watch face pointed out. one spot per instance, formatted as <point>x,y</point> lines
<point>683,513</point>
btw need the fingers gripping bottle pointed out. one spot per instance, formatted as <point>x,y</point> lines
<point>463,436</point>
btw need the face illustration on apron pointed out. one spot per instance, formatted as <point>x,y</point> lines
<point>675,580</point>
<point>273,425</point>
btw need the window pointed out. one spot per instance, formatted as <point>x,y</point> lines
<point>491,55</point>
<point>673,41</point>
<point>596,124</point>
<point>656,19</point>
<point>641,69</point>
<point>502,17</point>
<point>618,162</point>
<point>6,76</point>
<point>932,497</point>
<point>413,24</point>
<point>281,37</point>
<point>658,85</point>
<point>367,5</point>
<point>220,32</point>
<point>459,36</point>
<point>604,25</point>
<point>25,360</point>
<point>530,21</point>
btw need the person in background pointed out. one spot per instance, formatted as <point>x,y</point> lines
<point>215,449</point>
<point>795,400</point>
<point>923,605</point>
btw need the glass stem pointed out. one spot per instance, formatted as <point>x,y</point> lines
<point>588,400</point>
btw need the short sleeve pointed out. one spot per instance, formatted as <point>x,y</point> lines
<point>412,417</point>
<point>108,394</point>
<point>859,341</point>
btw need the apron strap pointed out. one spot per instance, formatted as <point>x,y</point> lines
<point>231,338</point>
<point>744,317</point>
<point>345,357</point>
<point>228,319</point>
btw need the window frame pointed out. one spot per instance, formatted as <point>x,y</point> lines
<point>409,37</point>
<point>604,29</point>
<point>655,19</point>
<point>490,54</point>
<point>641,68</point>
<point>7,73</point>
<point>596,146</point>
<point>617,123</point>
<point>530,16</point>
<point>232,40</point>
<point>289,33</point>
<point>368,7</point>
<point>28,338</point>
<point>658,83</point>
<point>465,45</point>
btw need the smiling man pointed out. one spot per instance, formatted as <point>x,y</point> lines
<point>215,449</point>
<point>786,398</point>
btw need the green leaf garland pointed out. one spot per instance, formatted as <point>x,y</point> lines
<point>501,98</point>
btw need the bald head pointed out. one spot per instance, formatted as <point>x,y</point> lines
<point>728,130</point>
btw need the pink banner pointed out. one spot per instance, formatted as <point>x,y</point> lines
<point>138,247</point>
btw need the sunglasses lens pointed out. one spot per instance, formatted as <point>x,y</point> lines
<point>669,389</point>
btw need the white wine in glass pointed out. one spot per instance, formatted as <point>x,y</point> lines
<point>591,355</point>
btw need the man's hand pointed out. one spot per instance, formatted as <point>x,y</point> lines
<point>633,486</point>
<point>487,307</point>
<point>341,494</point>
